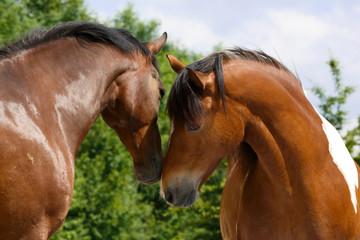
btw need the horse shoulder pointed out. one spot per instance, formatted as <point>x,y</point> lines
<point>35,188</point>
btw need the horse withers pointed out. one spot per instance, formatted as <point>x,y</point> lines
<point>53,86</point>
<point>289,174</point>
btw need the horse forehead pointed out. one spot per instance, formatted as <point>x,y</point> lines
<point>140,87</point>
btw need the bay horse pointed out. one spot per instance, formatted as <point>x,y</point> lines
<point>53,86</point>
<point>289,175</point>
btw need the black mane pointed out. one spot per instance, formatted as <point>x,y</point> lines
<point>86,31</point>
<point>184,103</point>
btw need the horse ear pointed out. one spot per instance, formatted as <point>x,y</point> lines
<point>175,64</point>
<point>198,78</point>
<point>155,45</point>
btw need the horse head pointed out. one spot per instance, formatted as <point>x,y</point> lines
<point>132,111</point>
<point>199,136</point>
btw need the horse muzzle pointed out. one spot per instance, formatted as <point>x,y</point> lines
<point>149,174</point>
<point>181,196</point>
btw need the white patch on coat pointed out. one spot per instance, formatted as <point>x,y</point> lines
<point>78,96</point>
<point>30,158</point>
<point>14,117</point>
<point>14,59</point>
<point>342,159</point>
<point>32,107</point>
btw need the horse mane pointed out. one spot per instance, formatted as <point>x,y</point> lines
<point>184,103</point>
<point>86,31</point>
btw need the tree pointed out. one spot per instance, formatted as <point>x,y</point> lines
<point>23,16</point>
<point>50,12</point>
<point>13,19</point>
<point>352,140</point>
<point>331,107</point>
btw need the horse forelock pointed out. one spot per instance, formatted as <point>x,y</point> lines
<point>85,32</point>
<point>184,102</point>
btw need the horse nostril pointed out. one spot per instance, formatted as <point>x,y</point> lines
<point>169,197</point>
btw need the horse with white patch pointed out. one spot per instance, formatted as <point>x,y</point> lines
<point>289,174</point>
<point>53,86</point>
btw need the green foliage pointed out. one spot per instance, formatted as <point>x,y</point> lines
<point>352,140</point>
<point>51,12</point>
<point>129,19</point>
<point>23,16</point>
<point>13,19</point>
<point>331,106</point>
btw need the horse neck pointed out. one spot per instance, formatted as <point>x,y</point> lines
<point>281,126</point>
<point>71,84</point>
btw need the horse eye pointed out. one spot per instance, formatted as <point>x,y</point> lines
<point>193,128</point>
<point>162,93</point>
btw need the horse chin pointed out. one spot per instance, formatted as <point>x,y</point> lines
<point>149,181</point>
<point>149,174</point>
<point>192,198</point>
<point>147,178</point>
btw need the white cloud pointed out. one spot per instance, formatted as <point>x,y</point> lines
<point>294,22</point>
<point>289,33</point>
<point>300,28</point>
<point>191,33</point>
<point>194,34</point>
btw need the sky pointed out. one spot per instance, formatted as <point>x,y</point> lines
<point>302,34</point>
